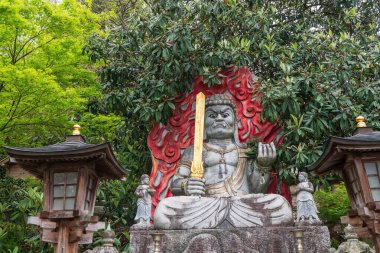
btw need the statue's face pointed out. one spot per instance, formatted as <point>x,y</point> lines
<point>145,180</point>
<point>219,122</point>
<point>301,178</point>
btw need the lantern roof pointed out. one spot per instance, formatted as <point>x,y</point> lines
<point>74,148</point>
<point>337,149</point>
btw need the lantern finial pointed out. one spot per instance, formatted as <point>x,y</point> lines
<point>76,129</point>
<point>360,120</point>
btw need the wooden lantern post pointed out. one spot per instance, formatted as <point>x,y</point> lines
<point>70,171</point>
<point>357,159</point>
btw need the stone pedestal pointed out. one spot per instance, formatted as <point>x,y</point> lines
<point>256,240</point>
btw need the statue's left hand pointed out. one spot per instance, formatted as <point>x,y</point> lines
<point>266,154</point>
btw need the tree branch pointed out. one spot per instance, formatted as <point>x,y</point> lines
<point>12,114</point>
<point>26,43</point>
<point>2,85</point>
<point>13,54</point>
<point>34,49</point>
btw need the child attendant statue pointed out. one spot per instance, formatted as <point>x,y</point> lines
<point>144,204</point>
<point>306,208</point>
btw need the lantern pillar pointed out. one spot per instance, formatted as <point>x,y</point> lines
<point>63,245</point>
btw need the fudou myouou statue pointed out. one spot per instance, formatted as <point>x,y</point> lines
<point>231,192</point>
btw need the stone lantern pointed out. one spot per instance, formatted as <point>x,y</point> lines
<point>357,160</point>
<point>70,171</point>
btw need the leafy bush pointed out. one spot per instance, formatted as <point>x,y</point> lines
<point>18,200</point>
<point>332,204</point>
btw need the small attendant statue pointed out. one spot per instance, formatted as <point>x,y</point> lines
<point>144,204</point>
<point>306,208</point>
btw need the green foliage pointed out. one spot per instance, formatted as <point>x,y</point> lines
<point>18,200</point>
<point>46,83</point>
<point>32,103</point>
<point>98,127</point>
<point>332,204</point>
<point>318,62</point>
<point>44,78</point>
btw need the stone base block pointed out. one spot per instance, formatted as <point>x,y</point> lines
<point>255,240</point>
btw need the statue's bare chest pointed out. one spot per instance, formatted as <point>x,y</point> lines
<point>212,158</point>
<point>219,162</point>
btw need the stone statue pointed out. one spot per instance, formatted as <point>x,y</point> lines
<point>230,194</point>
<point>144,204</point>
<point>306,208</point>
<point>353,245</point>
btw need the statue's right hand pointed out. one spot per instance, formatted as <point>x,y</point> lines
<point>195,187</point>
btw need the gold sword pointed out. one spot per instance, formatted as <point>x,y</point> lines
<point>197,164</point>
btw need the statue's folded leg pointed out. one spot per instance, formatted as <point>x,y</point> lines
<point>254,210</point>
<point>190,212</point>
<point>185,212</point>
